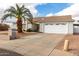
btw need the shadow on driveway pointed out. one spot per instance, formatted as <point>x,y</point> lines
<point>4,52</point>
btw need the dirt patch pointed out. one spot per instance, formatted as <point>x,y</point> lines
<point>3,32</point>
<point>73,46</point>
<point>4,35</point>
<point>26,34</point>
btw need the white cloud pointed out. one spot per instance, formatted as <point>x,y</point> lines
<point>5,5</point>
<point>30,6</point>
<point>72,10</point>
<point>50,14</point>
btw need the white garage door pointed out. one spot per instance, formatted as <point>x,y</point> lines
<point>56,28</point>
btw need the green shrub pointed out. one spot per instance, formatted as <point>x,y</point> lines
<point>29,30</point>
<point>35,30</point>
<point>4,27</point>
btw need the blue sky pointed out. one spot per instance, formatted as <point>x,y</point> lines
<point>53,8</point>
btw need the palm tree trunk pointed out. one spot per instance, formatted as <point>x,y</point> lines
<point>19,25</point>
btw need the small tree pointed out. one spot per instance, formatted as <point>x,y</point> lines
<point>20,13</point>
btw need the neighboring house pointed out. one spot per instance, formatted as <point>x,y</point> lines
<point>55,24</point>
<point>76,27</point>
<point>14,25</point>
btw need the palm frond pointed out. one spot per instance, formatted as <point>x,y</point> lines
<point>19,11</point>
<point>6,16</point>
<point>10,10</point>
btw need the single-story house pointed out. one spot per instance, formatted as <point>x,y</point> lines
<point>54,24</point>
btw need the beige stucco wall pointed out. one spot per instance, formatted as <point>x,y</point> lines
<point>41,27</point>
<point>70,27</point>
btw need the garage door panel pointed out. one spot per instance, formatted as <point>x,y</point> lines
<point>56,28</point>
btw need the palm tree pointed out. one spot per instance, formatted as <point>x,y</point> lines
<point>20,13</point>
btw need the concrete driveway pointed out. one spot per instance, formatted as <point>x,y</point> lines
<point>34,45</point>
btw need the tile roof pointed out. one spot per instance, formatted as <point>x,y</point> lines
<point>66,18</point>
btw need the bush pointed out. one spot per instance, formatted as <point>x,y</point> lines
<point>35,30</point>
<point>29,30</point>
<point>4,27</point>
